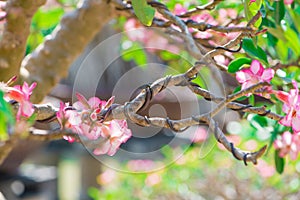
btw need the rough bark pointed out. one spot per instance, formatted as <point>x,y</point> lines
<point>14,37</point>
<point>51,60</point>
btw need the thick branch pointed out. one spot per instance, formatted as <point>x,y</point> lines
<point>51,60</point>
<point>14,38</point>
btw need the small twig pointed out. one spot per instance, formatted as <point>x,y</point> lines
<point>209,6</point>
<point>49,135</point>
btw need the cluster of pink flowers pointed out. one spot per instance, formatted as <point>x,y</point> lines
<point>288,143</point>
<point>21,94</point>
<point>291,107</point>
<point>150,40</point>
<point>82,118</point>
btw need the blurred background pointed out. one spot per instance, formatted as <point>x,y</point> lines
<point>155,163</point>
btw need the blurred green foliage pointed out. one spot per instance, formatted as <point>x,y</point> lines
<point>7,120</point>
<point>210,177</point>
<point>45,20</point>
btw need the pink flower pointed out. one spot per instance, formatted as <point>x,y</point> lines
<point>264,169</point>
<point>288,2</point>
<point>91,127</point>
<point>135,31</point>
<point>200,135</point>
<point>22,94</point>
<point>107,177</point>
<point>115,134</point>
<point>204,17</point>
<point>68,118</point>
<point>151,41</point>
<point>253,75</point>
<point>153,179</point>
<point>291,107</point>
<point>287,144</point>
<point>179,9</point>
<point>141,165</point>
<point>83,119</point>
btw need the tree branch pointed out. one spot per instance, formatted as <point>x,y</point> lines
<point>16,30</point>
<point>51,60</point>
<point>209,6</point>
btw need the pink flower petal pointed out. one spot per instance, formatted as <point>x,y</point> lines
<point>287,137</point>
<point>94,102</point>
<point>282,96</point>
<point>288,2</point>
<point>109,102</point>
<point>27,109</point>
<point>267,75</point>
<point>293,155</point>
<point>83,100</point>
<point>256,67</point>
<point>103,149</point>
<point>115,144</point>
<point>285,121</point>
<point>278,144</point>
<point>243,75</point>
<point>247,84</point>
<point>79,106</point>
<point>296,124</point>
<point>179,9</point>
<point>33,85</point>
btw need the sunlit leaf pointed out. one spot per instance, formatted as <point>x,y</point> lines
<point>251,9</point>
<point>46,19</point>
<point>293,41</point>
<point>237,64</point>
<point>135,53</point>
<point>6,117</point>
<point>143,11</point>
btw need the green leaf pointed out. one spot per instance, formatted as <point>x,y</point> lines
<point>256,52</point>
<point>143,11</point>
<point>167,56</point>
<point>94,193</point>
<point>6,117</point>
<point>279,162</point>
<point>3,129</point>
<point>293,41</point>
<point>279,11</point>
<point>295,17</point>
<point>46,19</point>
<point>251,9</point>
<point>237,64</point>
<point>282,51</point>
<point>136,53</point>
<point>251,100</point>
<point>262,121</point>
<point>277,32</point>
<point>34,39</point>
